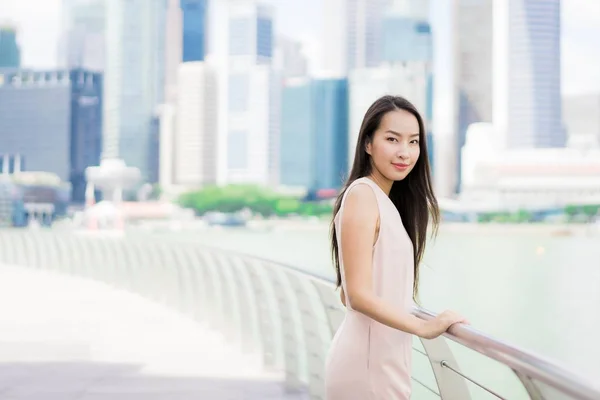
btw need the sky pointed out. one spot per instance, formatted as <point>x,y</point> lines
<point>301,19</point>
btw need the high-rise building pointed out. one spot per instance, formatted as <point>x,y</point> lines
<point>173,49</point>
<point>82,43</point>
<point>364,32</point>
<point>250,32</point>
<point>195,144</point>
<point>290,59</point>
<point>86,127</point>
<point>527,73</point>
<point>405,69</point>
<point>252,95</point>
<point>334,59</point>
<point>473,48</point>
<point>582,117</point>
<point>409,80</point>
<point>134,83</point>
<point>166,146</point>
<point>314,139</point>
<point>195,28</point>
<point>409,20</point>
<point>352,35</point>
<point>53,120</point>
<point>10,53</point>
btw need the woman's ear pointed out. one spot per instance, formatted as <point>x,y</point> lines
<point>368,147</point>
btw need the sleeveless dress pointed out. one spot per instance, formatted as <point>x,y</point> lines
<point>368,360</point>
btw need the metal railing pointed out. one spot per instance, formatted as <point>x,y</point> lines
<point>286,315</point>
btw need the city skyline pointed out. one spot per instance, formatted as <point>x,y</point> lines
<point>39,34</point>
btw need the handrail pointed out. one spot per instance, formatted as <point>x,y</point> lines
<point>523,361</point>
<point>290,314</point>
<point>518,359</point>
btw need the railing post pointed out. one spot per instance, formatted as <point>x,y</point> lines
<point>264,313</point>
<point>532,390</point>
<point>450,385</point>
<point>293,343</point>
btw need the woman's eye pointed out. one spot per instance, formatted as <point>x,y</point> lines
<point>415,141</point>
<point>392,139</point>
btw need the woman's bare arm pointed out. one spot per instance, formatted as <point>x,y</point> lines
<point>359,223</point>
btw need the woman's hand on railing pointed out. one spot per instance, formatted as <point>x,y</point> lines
<point>437,326</point>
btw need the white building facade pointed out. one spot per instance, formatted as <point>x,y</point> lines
<point>252,120</point>
<point>526,178</point>
<point>195,144</point>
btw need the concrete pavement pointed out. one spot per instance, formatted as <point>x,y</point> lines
<point>66,338</point>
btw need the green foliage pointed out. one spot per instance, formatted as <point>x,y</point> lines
<point>573,213</point>
<point>582,213</point>
<point>156,192</point>
<point>259,200</point>
<point>521,216</point>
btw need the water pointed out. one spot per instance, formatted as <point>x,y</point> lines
<point>525,286</point>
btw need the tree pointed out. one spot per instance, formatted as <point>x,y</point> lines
<point>571,212</point>
<point>590,211</point>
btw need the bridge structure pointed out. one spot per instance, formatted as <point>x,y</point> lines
<point>281,317</point>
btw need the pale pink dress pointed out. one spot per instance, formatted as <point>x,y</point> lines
<point>368,360</point>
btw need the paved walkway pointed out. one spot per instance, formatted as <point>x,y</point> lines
<point>64,338</point>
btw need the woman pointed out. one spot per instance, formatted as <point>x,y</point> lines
<point>378,238</point>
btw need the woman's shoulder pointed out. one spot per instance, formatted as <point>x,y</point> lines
<point>360,196</point>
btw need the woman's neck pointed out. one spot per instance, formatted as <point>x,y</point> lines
<point>384,183</point>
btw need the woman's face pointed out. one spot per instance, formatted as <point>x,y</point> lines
<point>395,148</point>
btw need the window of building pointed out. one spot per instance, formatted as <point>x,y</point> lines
<point>238,92</point>
<point>237,150</point>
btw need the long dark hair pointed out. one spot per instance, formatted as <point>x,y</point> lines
<point>412,196</point>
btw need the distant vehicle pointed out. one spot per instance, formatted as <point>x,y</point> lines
<point>225,219</point>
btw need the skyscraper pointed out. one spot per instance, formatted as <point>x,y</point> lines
<point>364,32</point>
<point>334,58</point>
<point>195,144</point>
<point>352,35</point>
<point>82,43</point>
<point>10,53</point>
<point>409,20</point>
<point>134,83</point>
<point>527,73</point>
<point>252,92</point>
<point>405,68</point>
<point>314,139</point>
<point>195,28</point>
<point>53,120</point>
<point>173,49</point>
<point>473,48</point>
<point>291,60</point>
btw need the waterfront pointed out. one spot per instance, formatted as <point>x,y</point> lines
<point>534,287</point>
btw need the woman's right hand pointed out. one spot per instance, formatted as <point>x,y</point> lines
<point>435,327</point>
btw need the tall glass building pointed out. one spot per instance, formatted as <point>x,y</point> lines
<point>195,28</point>
<point>527,73</point>
<point>82,44</point>
<point>251,31</point>
<point>133,80</point>
<point>314,134</point>
<point>10,53</point>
